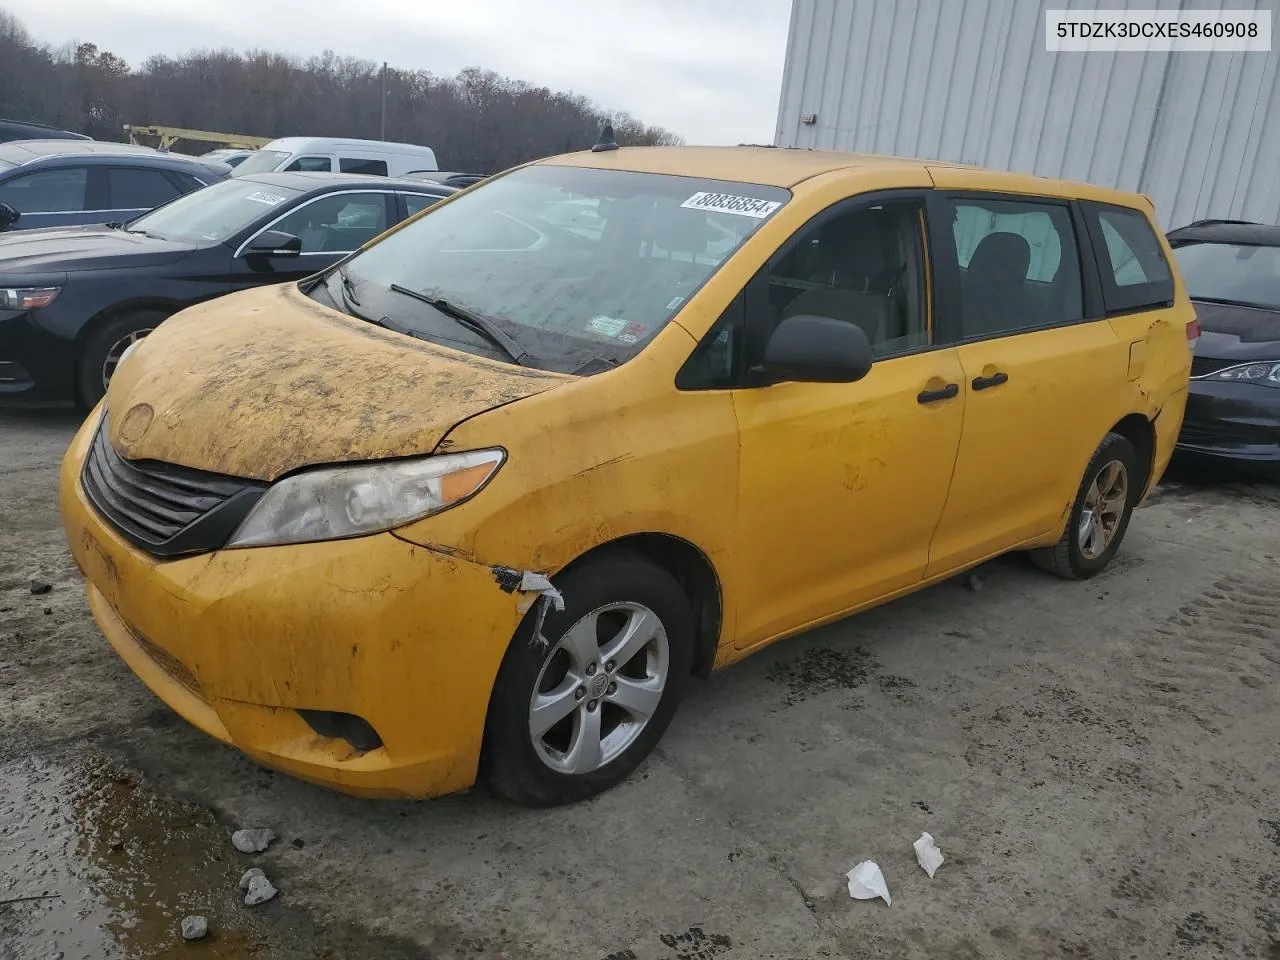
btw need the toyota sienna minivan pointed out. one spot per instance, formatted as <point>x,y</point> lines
<point>476,502</point>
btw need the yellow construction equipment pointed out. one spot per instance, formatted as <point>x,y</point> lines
<point>168,136</point>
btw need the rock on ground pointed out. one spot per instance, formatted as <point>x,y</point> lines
<point>254,840</point>
<point>194,928</point>
<point>260,891</point>
<point>247,877</point>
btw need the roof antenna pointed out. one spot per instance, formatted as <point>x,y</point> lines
<point>606,141</point>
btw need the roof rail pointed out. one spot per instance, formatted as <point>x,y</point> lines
<point>1211,221</point>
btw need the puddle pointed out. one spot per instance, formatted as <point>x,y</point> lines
<point>111,868</point>
<point>115,870</point>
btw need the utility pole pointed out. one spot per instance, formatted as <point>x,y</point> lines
<point>384,101</point>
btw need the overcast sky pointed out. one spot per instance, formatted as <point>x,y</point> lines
<point>710,70</point>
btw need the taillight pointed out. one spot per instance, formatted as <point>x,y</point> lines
<point>1193,333</point>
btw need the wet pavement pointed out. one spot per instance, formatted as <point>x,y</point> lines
<point>1097,762</point>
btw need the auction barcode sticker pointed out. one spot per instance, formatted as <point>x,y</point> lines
<point>731,203</point>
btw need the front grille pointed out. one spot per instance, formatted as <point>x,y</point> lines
<point>166,510</point>
<point>1203,366</point>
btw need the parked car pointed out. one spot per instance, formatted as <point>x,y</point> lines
<point>1232,272</point>
<point>230,156</point>
<point>449,178</point>
<point>73,300</point>
<point>481,498</point>
<point>374,157</point>
<point>26,130</point>
<point>60,183</point>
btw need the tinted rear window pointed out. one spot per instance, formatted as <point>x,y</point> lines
<point>1135,274</point>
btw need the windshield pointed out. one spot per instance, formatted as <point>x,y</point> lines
<point>1231,272</point>
<point>213,214</point>
<point>577,265</point>
<point>264,161</point>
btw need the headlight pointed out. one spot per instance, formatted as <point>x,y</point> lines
<point>1266,373</point>
<point>27,298</point>
<point>337,502</point>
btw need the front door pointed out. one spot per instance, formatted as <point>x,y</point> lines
<point>1039,377</point>
<point>842,485</point>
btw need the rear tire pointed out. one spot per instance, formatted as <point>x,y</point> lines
<point>1100,514</point>
<point>577,715</point>
<point>102,352</point>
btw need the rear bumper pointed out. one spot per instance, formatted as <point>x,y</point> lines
<point>1234,422</point>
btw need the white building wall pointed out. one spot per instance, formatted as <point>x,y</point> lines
<point>971,81</point>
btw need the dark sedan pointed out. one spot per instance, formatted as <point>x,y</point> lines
<point>1232,272</point>
<point>64,183</point>
<point>73,300</point>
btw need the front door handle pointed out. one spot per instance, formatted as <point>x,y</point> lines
<point>933,396</point>
<point>985,383</point>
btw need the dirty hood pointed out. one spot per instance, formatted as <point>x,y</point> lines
<point>260,383</point>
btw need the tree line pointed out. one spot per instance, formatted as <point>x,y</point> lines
<point>476,121</point>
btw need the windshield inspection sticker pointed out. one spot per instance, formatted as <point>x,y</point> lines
<point>731,203</point>
<point>606,326</point>
<point>270,199</point>
<point>632,332</point>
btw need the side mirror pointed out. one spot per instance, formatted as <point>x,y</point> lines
<point>8,216</point>
<point>809,349</point>
<point>274,243</point>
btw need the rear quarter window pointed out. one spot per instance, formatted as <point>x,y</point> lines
<point>1131,261</point>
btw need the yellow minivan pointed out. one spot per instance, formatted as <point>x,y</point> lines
<point>480,499</point>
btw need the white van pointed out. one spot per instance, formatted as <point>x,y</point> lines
<point>341,156</point>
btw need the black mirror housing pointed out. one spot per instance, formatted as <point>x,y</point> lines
<point>274,243</point>
<point>809,349</point>
<point>8,216</point>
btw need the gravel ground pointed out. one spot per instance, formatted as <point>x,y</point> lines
<point>1098,763</point>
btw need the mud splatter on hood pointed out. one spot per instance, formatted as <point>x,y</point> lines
<point>260,383</point>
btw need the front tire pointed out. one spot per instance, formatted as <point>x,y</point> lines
<point>103,350</point>
<point>577,715</point>
<point>1100,514</point>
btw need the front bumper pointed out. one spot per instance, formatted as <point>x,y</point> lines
<point>237,641</point>
<point>38,351</point>
<point>1236,422</point>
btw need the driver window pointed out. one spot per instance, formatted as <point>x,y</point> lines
<point>338,223</point>
<point>863,266</point>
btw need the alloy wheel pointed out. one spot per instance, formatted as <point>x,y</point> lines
<point>1103,509</point>
<point>599,687</point>
<point>117,352</point>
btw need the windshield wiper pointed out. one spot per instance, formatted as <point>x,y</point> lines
<point>472,321</point>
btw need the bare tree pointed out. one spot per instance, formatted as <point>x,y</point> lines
<point>476,121</point>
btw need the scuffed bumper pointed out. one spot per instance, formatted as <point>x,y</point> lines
<point>238,641</point>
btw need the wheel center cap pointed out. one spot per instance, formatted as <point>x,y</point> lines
<point>599,683</point>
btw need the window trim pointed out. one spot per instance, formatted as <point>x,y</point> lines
<point>239,251</point>
<point>1117,300</point>
<point>1090,297</point>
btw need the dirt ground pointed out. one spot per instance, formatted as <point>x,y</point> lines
<point>1099,762</point>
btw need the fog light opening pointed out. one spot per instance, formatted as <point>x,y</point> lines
<point>343,726</point>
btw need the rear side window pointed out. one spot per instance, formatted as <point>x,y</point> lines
<point>1135,274</point>
<point>417,202</point>
<point>1019,266</point>
<point>137,189</point>
<point>312,164</point>
<point>377,168</point>
<point>47,191</point>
